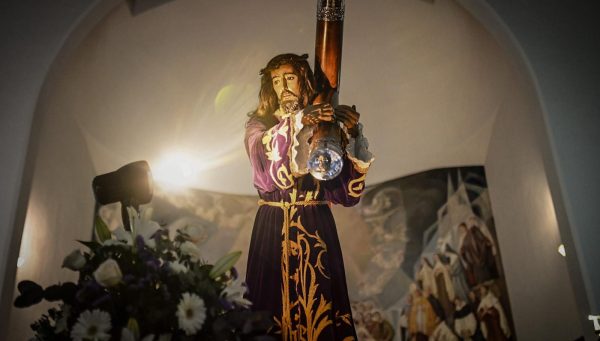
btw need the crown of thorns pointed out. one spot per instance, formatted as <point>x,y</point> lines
<point>283,59</point>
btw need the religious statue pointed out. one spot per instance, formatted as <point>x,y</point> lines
<point>295,266</point>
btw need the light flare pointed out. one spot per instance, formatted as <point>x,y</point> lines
<point>177,170</point>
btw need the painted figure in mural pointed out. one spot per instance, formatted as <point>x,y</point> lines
<point>465,324</point>
<point>476,250</point>
<point>295,267</point>
<point>457,273</point>
<point>444,289</point>
<point>425,275</point>
<point>443,333</point>
<point>494,324</point>
<point>422,316</point>
<point>370,322</point>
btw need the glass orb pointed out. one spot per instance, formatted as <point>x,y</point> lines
<point>325,161</point>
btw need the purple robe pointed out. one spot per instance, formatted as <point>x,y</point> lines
<point>295,266</point>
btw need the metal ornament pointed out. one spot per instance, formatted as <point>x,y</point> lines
<point>328,10</point>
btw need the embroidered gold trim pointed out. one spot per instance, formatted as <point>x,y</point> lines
<point>317,320</point>
<point>281,176</point>
<point>356,186</point>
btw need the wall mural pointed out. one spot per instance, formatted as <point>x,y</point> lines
<point>421,254</point>
<point>434,269</point>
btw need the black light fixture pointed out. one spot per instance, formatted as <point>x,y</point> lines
<point>131,185</point>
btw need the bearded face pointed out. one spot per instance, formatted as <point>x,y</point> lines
<point>287,88</point>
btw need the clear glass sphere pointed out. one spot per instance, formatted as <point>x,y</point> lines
<point>325,161</point>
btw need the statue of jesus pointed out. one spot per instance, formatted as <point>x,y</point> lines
<point>295,266</point>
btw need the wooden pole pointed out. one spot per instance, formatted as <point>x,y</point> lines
<point>326,138</point>
<point>328,50</point>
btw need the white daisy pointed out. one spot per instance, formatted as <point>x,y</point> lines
<point>234,293</point>
<point>92,325</point>
<point>191,313</point>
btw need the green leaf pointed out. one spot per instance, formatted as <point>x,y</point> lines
<point>224,264</point>
<point>102,231</point>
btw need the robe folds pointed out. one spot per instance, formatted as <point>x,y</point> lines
<point>295,266</point>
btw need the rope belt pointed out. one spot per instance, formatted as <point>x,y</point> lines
<point>283,204</point>
<point>286,319</point>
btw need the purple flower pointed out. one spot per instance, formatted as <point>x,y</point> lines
<point>153,265</point>
<point>226,304</point>
<point>234,273</point>
<point>89,292</point>
<point>128,278</point>
<point>139,243</point>
<point>101,300</point>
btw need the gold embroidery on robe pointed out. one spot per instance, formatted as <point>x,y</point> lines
<point>308,306</point>
<point>356,186</point>
<point>281,176</point>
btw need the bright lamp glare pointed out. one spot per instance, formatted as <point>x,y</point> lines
<point>176,170</point>
<point>561,250</point>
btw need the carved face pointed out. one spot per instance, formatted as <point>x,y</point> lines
<point>287,86</point>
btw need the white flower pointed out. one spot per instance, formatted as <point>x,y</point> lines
<point>141,225</point>
<point>190,249</point>
<point>177,267</point>
<point>108,273</point>
<point>61,323</point>
<point>234,293</point>
<point>74,261</point>
<point>127,335</point>
<point>191,313</point>
<point>92,325</point>
<point>122,237</point>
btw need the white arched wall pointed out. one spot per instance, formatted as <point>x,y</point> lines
<point>20,119</point>
<point>553,44</point>
<point>34,37</point>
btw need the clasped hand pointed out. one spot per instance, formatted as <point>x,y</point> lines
<point>345,114</point>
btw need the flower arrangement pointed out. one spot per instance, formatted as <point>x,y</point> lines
<point>144,285</point>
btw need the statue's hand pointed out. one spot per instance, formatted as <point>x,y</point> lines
<point>314,114</point>
<point>349,118</point>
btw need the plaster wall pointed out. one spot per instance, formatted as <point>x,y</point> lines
<point>558,48</point>
<point>539,286</point>
<point>59,212</point>
<point>31,35</point>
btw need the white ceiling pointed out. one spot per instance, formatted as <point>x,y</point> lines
<point>427,79</point>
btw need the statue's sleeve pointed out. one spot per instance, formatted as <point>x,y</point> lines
<point>268,151</point>
<point>347,188</point>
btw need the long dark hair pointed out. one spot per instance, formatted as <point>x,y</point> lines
<point>267,98</point>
